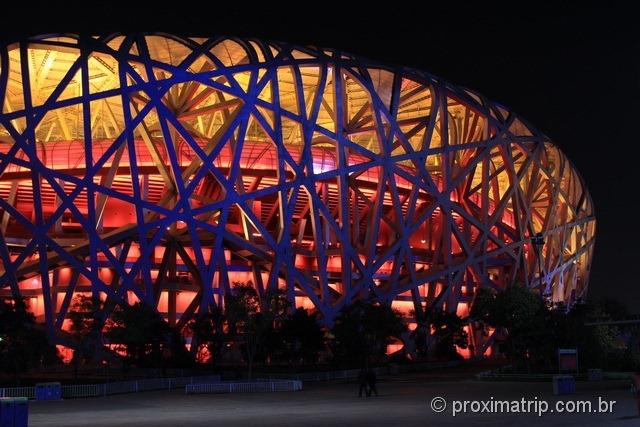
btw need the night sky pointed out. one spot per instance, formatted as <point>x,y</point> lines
<point>573,71</point>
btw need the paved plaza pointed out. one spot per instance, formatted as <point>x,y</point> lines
<point>404,400</point>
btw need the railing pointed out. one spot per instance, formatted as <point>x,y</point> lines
<point>93,390</point>
<point>260,386</point>
<point>347,374</point>
<point>510,376</point>
<point>350,374</point>
<point>82,390</point>
<point>29,392</point>
<point>119,387</point>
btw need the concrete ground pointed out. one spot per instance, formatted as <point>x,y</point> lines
<point>404,400</point>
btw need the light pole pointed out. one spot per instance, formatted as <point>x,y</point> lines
<point>538,242</point>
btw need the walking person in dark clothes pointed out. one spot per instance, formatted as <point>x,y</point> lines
<point>371,382</point>
<point>362,380</point>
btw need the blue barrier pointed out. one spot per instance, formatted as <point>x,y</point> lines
<point>564,384</point>
<point>48,391</point>
<point>54,391</point>
<point>7,412</point>
<point>14,412</point>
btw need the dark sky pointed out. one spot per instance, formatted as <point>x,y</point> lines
<point>571,70</point>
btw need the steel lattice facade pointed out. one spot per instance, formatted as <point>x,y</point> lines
<point>163,169</point>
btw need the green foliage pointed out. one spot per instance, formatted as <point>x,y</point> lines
<point>421,336</point>
<point>24,344</point>
<point>448,332</point>
<point>362,331</point>
<point>301,337</point>
<point>482,307</point>
<point>86,326</point>
<point>523,315</point>
<point>530,331</point>
<point>438,333</point>
<point>240,306</point>
<point>252,323</point>
<point>208,330</point>
<point>516,308</point>
<point>614,347</point>
<point>144,335</point>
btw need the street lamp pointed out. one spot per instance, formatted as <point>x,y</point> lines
<point>538,242</point>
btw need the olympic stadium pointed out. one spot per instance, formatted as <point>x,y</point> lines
<point>164,169</point>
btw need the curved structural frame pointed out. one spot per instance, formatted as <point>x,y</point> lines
<point>163,169</point>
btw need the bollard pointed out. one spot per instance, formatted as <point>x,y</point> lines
<point>21,411</point>
<point>563,384</point>
<point>7,412</point>
<point>48,391</point>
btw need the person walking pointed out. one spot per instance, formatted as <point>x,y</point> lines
<point>371,382</point>
<point>362,381</point>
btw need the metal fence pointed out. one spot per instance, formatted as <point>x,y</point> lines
<point>261,386</point>
<point>29,392</point>
<point>347,374</point>
<point>119,387</point>
<point>213,381</point>
<point>350,374</point>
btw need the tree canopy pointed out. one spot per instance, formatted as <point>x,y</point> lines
<point>23,343</point>
<point>144,335</point>
<point>362,331</point>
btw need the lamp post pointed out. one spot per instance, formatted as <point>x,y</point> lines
<point>538,242</point>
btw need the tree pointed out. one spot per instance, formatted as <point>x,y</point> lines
<point>599,346</point>
<point>362,331</point>
<point>141,331</point>
<point>175,352</point>
<point>302,337</point>
<point>208,330</point>
<point>86,327</point>
<point>537,329</point>
<point>23,343</point>
<point>244,323</point>
<point>441,328</point>
<point>252,322</point>
<point>421,335</point>
<point>520,312</point>
<point>448,333</point>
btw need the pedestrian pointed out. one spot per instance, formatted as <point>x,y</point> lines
<point>371,382</point>
<point>362,381</point>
